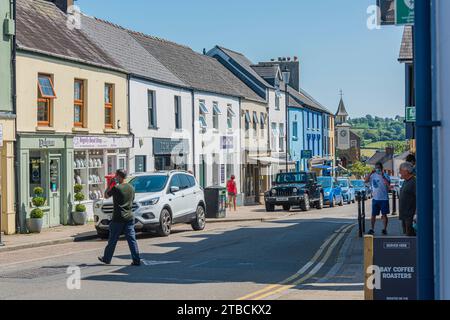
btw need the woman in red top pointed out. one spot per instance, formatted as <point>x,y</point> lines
<point>232,192</point>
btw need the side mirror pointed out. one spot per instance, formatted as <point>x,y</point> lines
<point>174,189</point>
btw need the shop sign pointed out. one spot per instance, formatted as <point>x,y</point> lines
<point>404,12</point>
<point>46,143</point>
<point>93,142</point>
<point>410,114</point>
<point>226,143</point>
<point>396,268</point>
<point>307,154</point>
<point>170,147</point>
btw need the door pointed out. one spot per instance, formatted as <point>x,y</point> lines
<point>190,196</point>
<point>55,192</point>
<point>176,199</point>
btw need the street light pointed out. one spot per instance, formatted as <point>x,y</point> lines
<point>286,78</point>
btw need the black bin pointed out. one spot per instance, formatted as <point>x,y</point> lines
<point>216,198</point>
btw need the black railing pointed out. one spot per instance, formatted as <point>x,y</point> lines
<point>361,198</point>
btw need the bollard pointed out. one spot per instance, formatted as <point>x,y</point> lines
<point>394,202</point>
<point>360,223</point>
<point>363,212</point>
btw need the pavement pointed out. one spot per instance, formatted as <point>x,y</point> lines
<point>66,234</point>
<point>293,256</point>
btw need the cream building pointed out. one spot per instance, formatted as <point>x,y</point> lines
<point>72,113</point>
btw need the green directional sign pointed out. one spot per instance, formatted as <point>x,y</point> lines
<point>307,154</point>
<point>410,114</point>
<point>404,12</point>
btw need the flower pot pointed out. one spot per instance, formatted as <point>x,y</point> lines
<point>35,225</point>
<point>79,218</point>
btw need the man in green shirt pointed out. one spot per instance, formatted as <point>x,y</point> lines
<point>122,219</point>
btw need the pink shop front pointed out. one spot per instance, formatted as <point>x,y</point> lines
<point>96,157</point>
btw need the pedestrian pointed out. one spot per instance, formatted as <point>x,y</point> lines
<point>411,158</point>
<point>408,199</point>
<point>232,192</point>
<point>123,218</point>
<point>380,183</point>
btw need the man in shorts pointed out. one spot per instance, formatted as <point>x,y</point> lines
<point>380,183</point>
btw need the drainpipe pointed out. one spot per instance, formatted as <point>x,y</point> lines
<point>193,132</point>
<point>16,145</point>
<point>423,75</point>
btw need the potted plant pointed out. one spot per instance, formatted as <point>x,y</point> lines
<point>79,215</point>
<point>36,220</point>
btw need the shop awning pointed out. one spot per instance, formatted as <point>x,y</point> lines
<point>322,167</point>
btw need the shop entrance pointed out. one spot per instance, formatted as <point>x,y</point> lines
<point>55,191</point>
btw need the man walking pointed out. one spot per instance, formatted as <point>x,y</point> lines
<point>123,218</point>
<point>380,183</point>
<point>408,199</point>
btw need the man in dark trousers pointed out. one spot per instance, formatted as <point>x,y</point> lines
<point>408,199</point>
<point>123,218</point>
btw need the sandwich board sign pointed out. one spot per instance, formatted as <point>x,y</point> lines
<point>404,12</point>
<point>395,261</point>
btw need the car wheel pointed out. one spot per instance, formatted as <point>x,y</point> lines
<point>270,207</point>
<point>333,202</point>
<point>103,234</point>
<point>286,207</point>
<point>306,205</point>
<point>200,220</point>
<point>165,223</point>
<point>319,205</point>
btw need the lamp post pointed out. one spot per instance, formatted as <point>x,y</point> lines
<point>286,77</point>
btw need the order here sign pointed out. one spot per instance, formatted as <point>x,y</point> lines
<point>395,261</point>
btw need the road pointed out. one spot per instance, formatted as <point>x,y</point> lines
<point>246,260</point>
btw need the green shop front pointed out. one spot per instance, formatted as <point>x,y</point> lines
<point>46,161</point>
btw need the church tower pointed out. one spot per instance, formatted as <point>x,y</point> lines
<point>342,114</point>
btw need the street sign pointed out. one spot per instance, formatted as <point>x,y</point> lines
<point>307,154</point>
<point>410,114</point>
<point>395,260</point>
<point>404,12</point>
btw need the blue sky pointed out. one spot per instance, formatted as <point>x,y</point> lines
<point>335,47</point>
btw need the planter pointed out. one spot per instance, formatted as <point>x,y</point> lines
<point>79,218</point>
<point>35,225</point>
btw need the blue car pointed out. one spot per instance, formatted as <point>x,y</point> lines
<point>348,191</point>
<point>360,186</point>
<point>331,190</point>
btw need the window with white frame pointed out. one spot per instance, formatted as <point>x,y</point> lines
<point>247,123</point>
<point>281,137</point>
<point>151,109</point>
<point>203,110</point>
<point>262,118</point>
<point>177,106</point>
<point>255,123</point>
<point>230,116</point>
<point>274,136</point>
<point>216,113</point>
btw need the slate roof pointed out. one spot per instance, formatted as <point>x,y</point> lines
<point>200,71</point>
<point>246,64</point>
<point>379,156</point>
<point>266,71</point>
<point>127,51</point>
<point>342,111</point>
<point>406,48</point>
<point>42,28</point>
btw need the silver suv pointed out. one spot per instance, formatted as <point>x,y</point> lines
<point>162,199</point>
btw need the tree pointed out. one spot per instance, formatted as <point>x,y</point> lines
<point>360,169</point>
<point>399,147</point>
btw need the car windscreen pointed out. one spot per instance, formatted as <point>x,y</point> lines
<point>343,183</point>
<point>325,182</point>
<point>148,184</point>
<point>292,178</point>
<point>358,183</point>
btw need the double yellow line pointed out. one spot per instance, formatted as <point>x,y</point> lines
<point>301,275</point>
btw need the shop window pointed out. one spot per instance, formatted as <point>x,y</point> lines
<point>46,95</point>
<point>178,114</point>
<point>140,164</point>
<point>79,103</point>
<point>151,109</point>
<point>109,105</point>
<point>37,172</point>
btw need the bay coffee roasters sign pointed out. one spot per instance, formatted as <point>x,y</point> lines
<point>97,142</point>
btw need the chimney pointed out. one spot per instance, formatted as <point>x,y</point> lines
<point>63,4</point>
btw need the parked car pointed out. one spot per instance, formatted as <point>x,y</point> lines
<point>295,189</point>
<point>362,186</point>
<point>348,192</point>
<point>332,191</point>
<point>162,199</point>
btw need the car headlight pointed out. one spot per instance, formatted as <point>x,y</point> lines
<point>98,204</point>
<point>274,192</point>
<point>150,202</point>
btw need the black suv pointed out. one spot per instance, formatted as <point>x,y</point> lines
<point>295,189</point>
